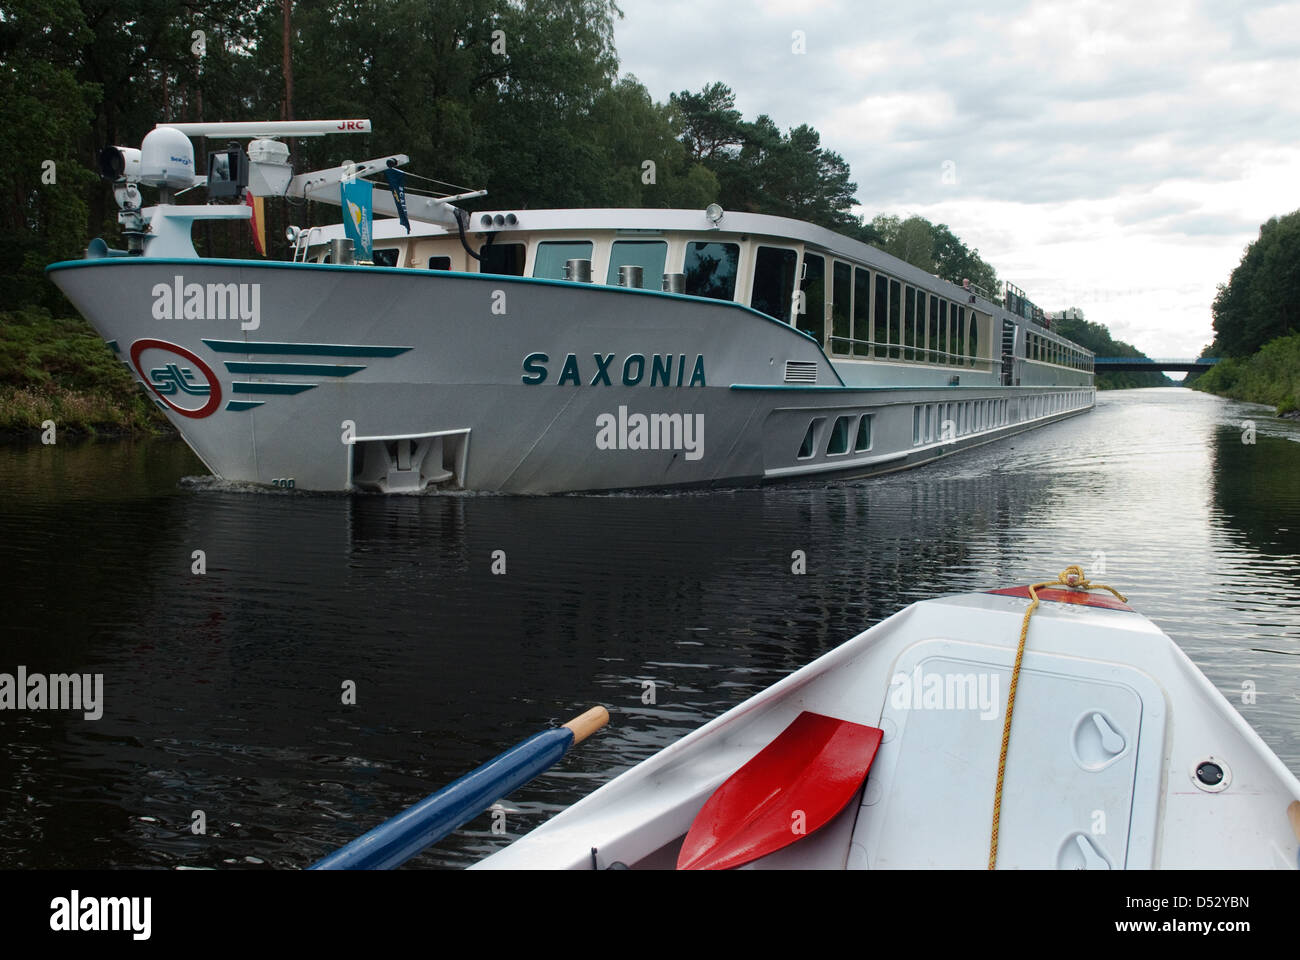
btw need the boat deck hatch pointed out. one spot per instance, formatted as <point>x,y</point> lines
<point>1083,771</point>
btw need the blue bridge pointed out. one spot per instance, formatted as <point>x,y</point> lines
<point>1122,364</point>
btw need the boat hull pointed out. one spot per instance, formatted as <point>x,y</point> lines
<point>1105,769</point>
<point>335,378</point>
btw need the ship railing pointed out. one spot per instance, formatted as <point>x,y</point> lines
<point>911,352</point>
<point>302,244</point>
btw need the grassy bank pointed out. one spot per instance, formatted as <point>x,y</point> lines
<point>57,368</point>
<point>1270,376</point>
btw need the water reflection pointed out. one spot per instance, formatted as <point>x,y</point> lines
<point>224,691</point>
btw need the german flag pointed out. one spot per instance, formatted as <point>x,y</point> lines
<point>257,221</point>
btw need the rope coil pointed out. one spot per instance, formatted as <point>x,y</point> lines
<point>1072,578</point>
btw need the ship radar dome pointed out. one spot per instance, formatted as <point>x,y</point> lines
<point>167,159</point>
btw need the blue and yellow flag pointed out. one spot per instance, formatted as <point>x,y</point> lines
<point>358,215</point>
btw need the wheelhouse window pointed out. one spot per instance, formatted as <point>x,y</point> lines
<point>386,257</point>
<point>841,296</point>
<point>711,270</point>
<point>504,259</point>
<point>649,255</point>
<point>553,254</point>
<point>812,309</point>
<point>773,289</point>
<point>440,263</point>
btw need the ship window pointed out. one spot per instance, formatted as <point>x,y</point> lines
<point>916,425</point>
<point>809,446</point>
<point>386,257</point>
<point>895,321</point>
<point>943,331</point>
<point>841,292</point>
<point>649,255</point>
<point>553,254</point>
<point>934,329</point>
<point>973,350</point>
<point>882,311</point>
<point>862,312</point>
<point>812,310</point>
<point>440,263</point>
<point>920,325</point>
<point>839,442</point>
<point>711,269</point>
<point>863,441</point>
<point>773,287</point>
<point>504,259</point>
<point>909,322</point>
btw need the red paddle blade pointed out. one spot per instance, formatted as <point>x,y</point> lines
<point>794,786</point>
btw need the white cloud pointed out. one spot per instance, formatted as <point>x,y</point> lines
<point>1112,156</point>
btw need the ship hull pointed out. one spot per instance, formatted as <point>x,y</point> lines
<point>337,378</point>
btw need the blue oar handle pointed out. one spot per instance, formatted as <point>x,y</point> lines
<point>395,841</point>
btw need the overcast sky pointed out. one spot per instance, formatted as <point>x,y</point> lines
<point>1116,157</point>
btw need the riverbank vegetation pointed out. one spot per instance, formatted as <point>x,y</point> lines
<point>1271,375</point>
<point>1098,339</point>
<point>1257,322</point>
<point>57,368</point>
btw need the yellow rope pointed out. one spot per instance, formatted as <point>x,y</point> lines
<point>1071,578</point>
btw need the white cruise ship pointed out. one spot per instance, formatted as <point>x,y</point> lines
<point>543,351</point>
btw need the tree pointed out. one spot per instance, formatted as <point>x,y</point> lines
<point>1261,300</point>
<point>709,122</point>
<point>44,112</point>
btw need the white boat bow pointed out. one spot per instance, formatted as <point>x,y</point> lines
<point>1122,754</point>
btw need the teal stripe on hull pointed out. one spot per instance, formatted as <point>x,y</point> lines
<point>280,388</point>
<point>305,349</point>
<point>238,405</point>
<point>306,369</point>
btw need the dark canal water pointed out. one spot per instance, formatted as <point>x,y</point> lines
<point>222,691</point>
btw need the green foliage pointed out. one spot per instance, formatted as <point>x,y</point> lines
<point>1271,375</point>
<point>762,170</point>
<point>933,248</point>
<point>44,112</point>
<point>1097,338</point>
<point>1261,300</point>
<point>58,369</point>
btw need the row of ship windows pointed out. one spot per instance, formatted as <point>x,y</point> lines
<point>889,322</point>
<point>851,315</point>
<point>1047,350</point>
<point>944,422</point>
<point>893,321</point>
<point>837,444</point>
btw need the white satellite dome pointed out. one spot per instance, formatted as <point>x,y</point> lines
<point>167,159</point>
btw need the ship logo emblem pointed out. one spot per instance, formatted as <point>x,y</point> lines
<point>182,381</point>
